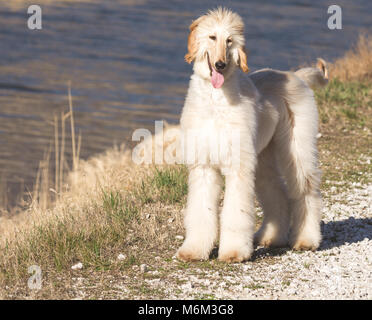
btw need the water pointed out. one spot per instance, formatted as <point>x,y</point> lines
<point>125,62</point>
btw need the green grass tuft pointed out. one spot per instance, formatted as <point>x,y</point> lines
<point>117,208</point>
<point>344,99</point>
<point>166,185</point>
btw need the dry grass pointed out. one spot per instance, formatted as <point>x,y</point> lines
<point>112,207</point>
<point>345,110</point>
<point>43,195</point>
<point>345,103</point>
<point>48,185</point>
<point>356,65</point>
<point>109,205</point>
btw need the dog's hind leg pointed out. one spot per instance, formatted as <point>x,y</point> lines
<point>271,193</point>
<point>201,221</point>
<point>296,154</point>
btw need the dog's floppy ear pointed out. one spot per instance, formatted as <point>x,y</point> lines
<point>191,44</point>
<point>243,59</point>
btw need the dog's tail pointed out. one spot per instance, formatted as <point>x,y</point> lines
<point>314,77</point>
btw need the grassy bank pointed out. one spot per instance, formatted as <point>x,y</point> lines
<point>113,208</point>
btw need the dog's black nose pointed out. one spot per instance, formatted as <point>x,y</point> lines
<point>220,65</point>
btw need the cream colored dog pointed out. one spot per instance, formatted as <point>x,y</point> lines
<point>276,117</point>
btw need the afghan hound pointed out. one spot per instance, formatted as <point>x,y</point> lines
<point>265,125</point>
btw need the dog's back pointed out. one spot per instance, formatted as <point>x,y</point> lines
<point>285,83</point>
<point>286,99</point>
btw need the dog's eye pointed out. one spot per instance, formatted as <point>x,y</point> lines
<point>212,37</point>
<point>229,41</point>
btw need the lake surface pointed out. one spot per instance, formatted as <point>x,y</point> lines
<point>125,61</point>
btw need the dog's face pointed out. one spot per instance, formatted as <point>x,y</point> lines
<point>216,45</point>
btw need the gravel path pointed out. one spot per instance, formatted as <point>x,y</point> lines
<point>340,269</point>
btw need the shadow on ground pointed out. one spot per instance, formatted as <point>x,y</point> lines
<point>351,230</point>
<point>334,234</point>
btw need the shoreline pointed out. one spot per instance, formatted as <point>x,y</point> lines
<point>113,207</point>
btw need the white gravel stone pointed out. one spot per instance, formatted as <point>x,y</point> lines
<point>143,268</point>
<point>77,266</point>
<point>122,257</point>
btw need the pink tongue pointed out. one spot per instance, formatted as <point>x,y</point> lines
<point>217,79</point>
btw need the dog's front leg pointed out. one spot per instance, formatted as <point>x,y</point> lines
<point>237,217</point>
<point>201,214</point>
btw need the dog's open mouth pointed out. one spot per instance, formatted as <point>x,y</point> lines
<point>217,78</point>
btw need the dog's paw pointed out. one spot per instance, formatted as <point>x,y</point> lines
<point>235,255</point>
<point>187,254</point>
<point>306,241</point>
<point>305,244</point>
<point>269,239</point>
